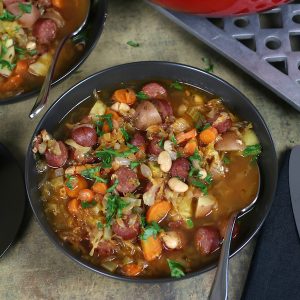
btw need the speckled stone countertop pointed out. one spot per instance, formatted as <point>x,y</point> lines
<point>34,268</point>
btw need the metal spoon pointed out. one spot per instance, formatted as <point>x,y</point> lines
<point>43,96</point>
<point>219,290</point>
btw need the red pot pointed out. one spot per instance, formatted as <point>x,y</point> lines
<point>220,8</point>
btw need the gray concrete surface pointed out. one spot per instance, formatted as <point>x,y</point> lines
<point>33,268</point>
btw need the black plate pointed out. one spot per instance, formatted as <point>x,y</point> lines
<point>235,101</point>
<point>13,196</point>
<point>92,31</point>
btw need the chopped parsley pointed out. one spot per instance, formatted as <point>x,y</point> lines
<point>195,156</point>
<point>134,164</point>
<point>125,134</point>
<point>175,268</point>
<point>142,96</point>
<point>173,139</point>
<point>115,205</point>
<point>100,123</point>
<point>203,187</point>
<point>25,8</point>
<point>6,64</point>
<point>113,187</point>
<point>91,174</point>
<point>209,66</point>
<point>133,44</point>
<point>253,150</point>
<point>87,204</point>
<point>143,221</point>
<point>20,50</point>
<point>99,225</point>
<point>207,125</point>
<point>195,172</point>
<point>189,223</point>
<point>71,182</point>
<point>208,179</point>
<point>7,16</point>
<point>177,85</point>
<point>161,143</point>
<point>226,160</point>
<point>150,230</point>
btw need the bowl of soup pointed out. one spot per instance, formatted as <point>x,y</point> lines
<point>29,35</point>
<point>134,171</point>
<point>220,8</point>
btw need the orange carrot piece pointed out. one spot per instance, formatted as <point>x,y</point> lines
<point>12,83</point>
<point>124,96</point>
<point>158,211</point>
<point>74,184</point>
<point>151,247</point>
<point>208,135</point>
<point>185,136</point>
<point>73,206</point>
<point>86,195</point>
<point>132,269</point>
<point>115,115</point>
<point>58,3</point>
<point>99,187</point>
<point>21,67</point>
<point>190,147</point>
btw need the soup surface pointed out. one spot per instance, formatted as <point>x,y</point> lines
<point>141,180</point>
<point>29,34</point>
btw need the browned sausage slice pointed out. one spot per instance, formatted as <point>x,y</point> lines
<point>128,180</point>
<point>154,90</point>
<point>84,136</point>
<point>164,107</point>
<point>153,147</point>
<point>138,140</point>
<point>106,248</point>
<point>45,30</point>
<point>207,239</point>
<point>127,228</point>
<point>55,160</point>
<point>180,168</point>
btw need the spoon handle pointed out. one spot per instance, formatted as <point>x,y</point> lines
<point>219,290</point>
<point>43,96</point>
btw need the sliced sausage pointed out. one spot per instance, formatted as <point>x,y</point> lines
<point>45,31</point>
<point>128,180</point>
<point>146,114</point>
<point>127,228</point>
<point>82,158</point>
<point>207,239</point>
<point>55,160</point>
<point>154,90</point>
<point>230,141</point>
<point>44,3</point>
<point>8,2</point>
<point>106,248</point>
<point>84,136</point>
<point>175,224</point>
<point>26,19</point>
<point>164,107</point>
<point>222,123</point>
<point>180,168</point>
<point>138,140</point>
<point>153,147</point>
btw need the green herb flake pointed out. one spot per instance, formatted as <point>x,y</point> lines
<point>189,223</point>
<point>203,187</point>
<point>208,179</point>
<point>115,205</point>
<point>226,160</point>
<point>253,150</point>
<point>99,225</point>
<point>7,16</point>
<point>209,67</point>
<point>20,50</point>
<point>206,126</point>
<point>125,134</point>
<point>91,174</point>
<point>173,139</point>
<point>176,268</point>
<point>25,8</point>
<point>143,221</point>
<point>134,164</point>
<point>150,230</point>
<point>86,204</point>
<point>32,52</point>
<point>113,187</point>
<point>142,96</point>
<point>71,182</point>
<point>195,156</point>
<point>133,44</point>
<point>6,64</point>
<point>177,85</point>
<point>161,143</point>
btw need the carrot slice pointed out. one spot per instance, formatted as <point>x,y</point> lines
<point>158,211</point>
<point>21,67</point>
<point>74,184</point>
<point>132,269</point>
<point>12,83</point>
<point>99,187</point>
<point>86,195</point>
<point>208,135</point>
<point>190,147</point>
<point>151,247</point>
<point>73,206</point>
<point>185,136</point>
<point>124,96</point>
<point>115,118</point>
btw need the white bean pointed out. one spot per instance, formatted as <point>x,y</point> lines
<point>177,185</point>
<point>165,161</point>
<point>181,109</point>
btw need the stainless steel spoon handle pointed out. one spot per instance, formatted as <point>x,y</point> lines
<point>42,98</point>
<point>219,290</point>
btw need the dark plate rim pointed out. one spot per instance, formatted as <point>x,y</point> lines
<point>26,96</point>
<point>164,279</point>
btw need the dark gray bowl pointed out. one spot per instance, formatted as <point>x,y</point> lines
<point>92,31</point>
<point>235,101</point>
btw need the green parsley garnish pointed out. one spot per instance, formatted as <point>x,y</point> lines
<point>253,150</point>
<point>203,187</point>
<point>133,44</point>
<point>25,8</point>
<point>71,182</point>
<point>32,52</point>
<point>20,50</point>
<point>195,172</point>
<point>195,156</point>
<point>208,179</point>
<point>6,64</point>
<point>175,268</point>
<point>209,66</point>
<point>161,143</point>
<point>177,85</point>
<point>226,160</point>
<point>189,223</point>
<point>113,187</point>
<point>134,164</point>
<point>91,174</point>
<point>100,123</point>
<point>7,16</point>
<point>114,206</point>
<point>142,96</point>
<point>207,125</point>
<point>150,230</point>
<point>173,139</point>
<point>143,221</point>
<point>88,204</point>
<point>99,225</point>
<point>125,134</point>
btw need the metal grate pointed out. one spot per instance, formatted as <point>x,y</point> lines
<point>265,45</point>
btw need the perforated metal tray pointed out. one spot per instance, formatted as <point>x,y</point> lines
<point>265,45</point>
